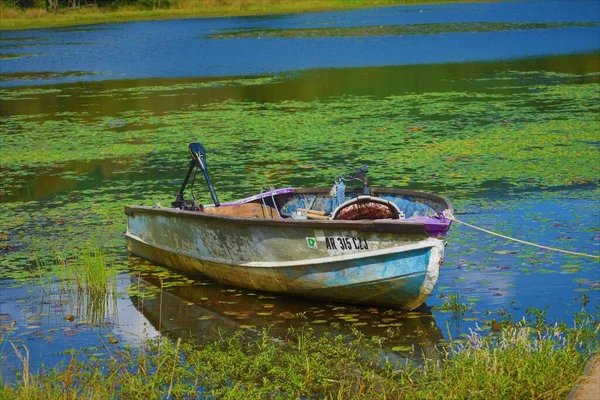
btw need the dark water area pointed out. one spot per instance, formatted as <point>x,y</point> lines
<point>493,105</point>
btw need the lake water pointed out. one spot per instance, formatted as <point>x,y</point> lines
<point>494,105</point>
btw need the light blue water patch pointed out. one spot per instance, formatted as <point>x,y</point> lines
<point>48,324</point>
<point>498,278</point>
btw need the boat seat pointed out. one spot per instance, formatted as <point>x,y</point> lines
<point>244,210</point>
<point>367,207</point>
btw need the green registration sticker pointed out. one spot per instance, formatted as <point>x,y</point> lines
<point>311,242</point>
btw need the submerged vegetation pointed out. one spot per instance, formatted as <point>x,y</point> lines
<point>26,14</point>
<point>396,30</point>
<point>521,362</point>
<point>506,130</point>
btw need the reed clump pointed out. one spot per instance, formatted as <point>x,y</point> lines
<point>521,362</point>
<point>85,281</point>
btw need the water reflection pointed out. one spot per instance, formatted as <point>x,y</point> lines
<point>51,317</point>
<point>108,98</point>
<point>203,309</point>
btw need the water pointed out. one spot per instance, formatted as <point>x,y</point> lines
<point>183,48</point>
<point>97,117</point>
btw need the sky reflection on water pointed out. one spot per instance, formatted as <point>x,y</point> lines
<point>180,48</point>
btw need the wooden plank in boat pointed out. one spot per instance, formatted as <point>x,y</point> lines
<point>246,210</point>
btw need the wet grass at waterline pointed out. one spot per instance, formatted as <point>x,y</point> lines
<point>519,362</point>
<point>15,18</point>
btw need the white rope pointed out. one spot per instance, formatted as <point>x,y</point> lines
<point>453,218</point>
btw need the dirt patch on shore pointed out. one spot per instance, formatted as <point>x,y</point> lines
<point>588,387</point>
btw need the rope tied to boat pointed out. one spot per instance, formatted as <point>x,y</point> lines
<point>451,217</point>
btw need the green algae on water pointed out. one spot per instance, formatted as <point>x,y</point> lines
<point>396,30</point>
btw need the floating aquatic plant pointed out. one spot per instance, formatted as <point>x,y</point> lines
<point>396,30</point>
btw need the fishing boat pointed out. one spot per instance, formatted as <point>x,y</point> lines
<point>362,245</point>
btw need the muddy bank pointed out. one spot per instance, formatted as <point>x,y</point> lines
<point>588,387</point>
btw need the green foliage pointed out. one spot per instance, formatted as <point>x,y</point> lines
<point>455,305</point>
<point>519,362</point>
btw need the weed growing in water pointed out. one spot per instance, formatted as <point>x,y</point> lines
<point>87,281</point>
<point>454,305</point>
<point>93,271</point>
<point>537,316</point>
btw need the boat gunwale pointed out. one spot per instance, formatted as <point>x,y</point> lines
<point>382,226</point>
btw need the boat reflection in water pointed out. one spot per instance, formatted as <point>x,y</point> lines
<point>203,309</point>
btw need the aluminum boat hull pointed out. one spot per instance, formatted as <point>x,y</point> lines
<point>391,263</point>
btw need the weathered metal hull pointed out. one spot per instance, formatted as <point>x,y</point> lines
<point>387,263</point>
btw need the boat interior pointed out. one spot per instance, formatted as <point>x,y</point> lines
<point>335,203</point>
<point>318,204</point>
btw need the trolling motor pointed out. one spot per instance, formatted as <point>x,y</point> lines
<point>198,157</point>
<point>338,191</point>
<point>361,176</point>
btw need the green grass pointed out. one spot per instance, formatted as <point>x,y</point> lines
<point>93,272</point>
<point>88,269</point>
<point>86,281</point>
<point>520,362</point>
<point>12,18</point>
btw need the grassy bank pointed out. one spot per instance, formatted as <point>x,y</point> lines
<point>15,18</point>
<point>529,359</point>
<point>521,362</point>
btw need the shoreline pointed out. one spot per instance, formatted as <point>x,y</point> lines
<point>12,19</point>
<point>588,386</point>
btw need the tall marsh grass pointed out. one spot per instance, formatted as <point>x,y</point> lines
<point>87,281</point>
<point>521,362</point>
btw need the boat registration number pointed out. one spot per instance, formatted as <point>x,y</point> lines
<point>346,243</point>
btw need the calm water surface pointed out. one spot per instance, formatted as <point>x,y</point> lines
<point>493,105</point>
<point>184,48</point>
